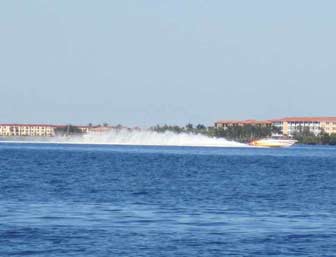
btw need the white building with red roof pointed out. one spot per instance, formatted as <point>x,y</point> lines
<point>43,130</point>
<point>288,125</point>
<point>32,130</point>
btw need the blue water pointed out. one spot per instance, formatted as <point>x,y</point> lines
<point>85,200</point>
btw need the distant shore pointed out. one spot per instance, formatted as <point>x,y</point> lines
<point>233,131</point>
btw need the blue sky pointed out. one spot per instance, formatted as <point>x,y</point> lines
<point>148,62</point>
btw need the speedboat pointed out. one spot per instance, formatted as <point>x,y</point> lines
<point>274,141</point>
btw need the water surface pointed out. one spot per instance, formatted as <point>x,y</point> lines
<point>89,200</point>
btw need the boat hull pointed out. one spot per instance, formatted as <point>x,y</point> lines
<point>273,143</point>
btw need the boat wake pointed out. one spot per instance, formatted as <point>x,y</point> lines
<point>148,138</point>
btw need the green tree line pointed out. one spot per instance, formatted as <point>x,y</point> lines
<point>237,133</point>
<point>248,133</point>
<point>305,136</point>
<point>68,130</point>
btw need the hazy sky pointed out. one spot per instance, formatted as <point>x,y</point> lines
<point>148,62</point>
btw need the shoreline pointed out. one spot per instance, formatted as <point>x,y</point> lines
<point>34,140</point>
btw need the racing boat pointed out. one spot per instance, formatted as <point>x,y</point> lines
<point>274,141</point>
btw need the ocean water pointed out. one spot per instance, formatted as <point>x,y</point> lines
<point>96,200</point>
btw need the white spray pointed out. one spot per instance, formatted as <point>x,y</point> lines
<point>148,137</point>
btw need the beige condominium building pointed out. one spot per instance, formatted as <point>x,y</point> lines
<point>232,123</point>
<point>43,130</point>
<point>95,129</point>
<point>316,125</point>
<point>288,125</point>
<point>38,130</point>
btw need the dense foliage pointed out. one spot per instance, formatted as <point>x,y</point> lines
<point>236,133</point>
<point>68,131</point>
<point>307,137</point>
<point>248,133</point>
<point>245,133</point>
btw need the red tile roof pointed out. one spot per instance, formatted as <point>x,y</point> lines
<point>44,125</point>
<point>287,119</point>
<point>245,122</point>
<point>30,125</point>
<point>307,119</point>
